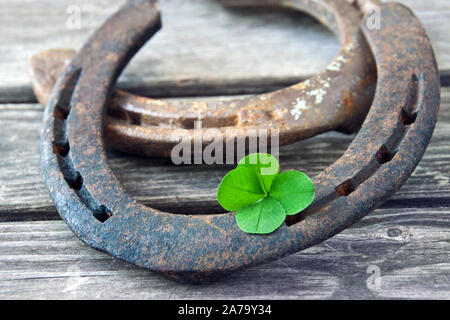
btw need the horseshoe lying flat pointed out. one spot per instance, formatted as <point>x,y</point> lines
<point>200,248</point>
<point>336,99</point>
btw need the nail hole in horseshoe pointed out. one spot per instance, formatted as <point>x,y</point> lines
<point>345,188</point>
<point>189,124</point>
<point>384,155</point>
<point>77,182</point>
<point>408,114</point>
<point>134,118</point>
<point>60,113</point>
<point>61,149</point>
<point>102,213</point>
<point>407,118</point>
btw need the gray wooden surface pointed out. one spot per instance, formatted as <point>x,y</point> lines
<point>401,250</point>
<point>203,49</point>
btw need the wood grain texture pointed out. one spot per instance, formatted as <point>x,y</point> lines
<point>410,248</point>
<point>203,48</point>
<point>192,189</point>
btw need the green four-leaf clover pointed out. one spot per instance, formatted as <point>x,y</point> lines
<point>261,196</point>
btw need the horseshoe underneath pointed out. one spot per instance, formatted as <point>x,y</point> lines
<point>336,99</point>
<point>200,248</point>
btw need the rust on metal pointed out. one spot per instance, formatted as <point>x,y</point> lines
<point>199,248</point>
<point>336,99</point>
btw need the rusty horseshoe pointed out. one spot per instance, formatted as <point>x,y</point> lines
<point>336,99</point>
<point>200,248</point>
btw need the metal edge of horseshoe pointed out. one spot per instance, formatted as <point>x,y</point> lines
<point>337,98</point>
<point>190,248</point>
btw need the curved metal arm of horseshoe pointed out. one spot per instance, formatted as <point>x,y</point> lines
<point>199,248</point>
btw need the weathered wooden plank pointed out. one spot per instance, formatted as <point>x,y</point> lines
<point>410,249</point>
<point>203,49</point>
<point>192,189</point>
